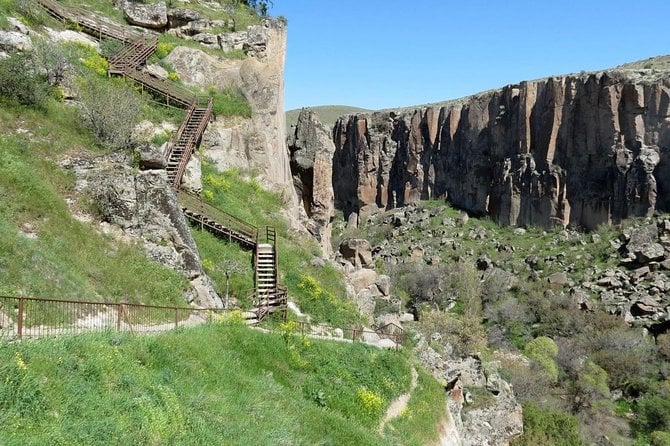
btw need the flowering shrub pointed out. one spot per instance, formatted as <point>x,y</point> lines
<point>370,401</point>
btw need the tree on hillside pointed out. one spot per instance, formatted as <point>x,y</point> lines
<point>260,6</point>
<point>110,110</point>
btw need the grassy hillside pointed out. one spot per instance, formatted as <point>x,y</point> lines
<point>44,251</point>
<point>215,384</point>
<point>328,114</point>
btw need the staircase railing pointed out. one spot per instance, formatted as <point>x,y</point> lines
<point>177,135</point>
<point>195,204</point>
<point>93,26</point>
<point>192,142</point>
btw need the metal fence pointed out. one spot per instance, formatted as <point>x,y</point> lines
<point>391,332</point>
<point>26,317</point>
<point>32,318</point>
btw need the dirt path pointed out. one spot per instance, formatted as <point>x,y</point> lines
<point>399,404</point>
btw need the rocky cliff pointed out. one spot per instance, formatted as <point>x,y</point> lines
<point>576,150</point>
<point>259,142</point>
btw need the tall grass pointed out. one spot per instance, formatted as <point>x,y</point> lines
<point>215,384</point>
<point>44,251</point>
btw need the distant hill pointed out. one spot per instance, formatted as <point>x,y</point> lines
<point>328,114</point>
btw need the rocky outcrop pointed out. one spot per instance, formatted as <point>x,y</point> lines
<point>146,15</point>
<point>311,149</point>
<point>580,150</point>
<point>12,41</point>
<point>481,403</point>
<point>141,205</point>
<point>257,143</point>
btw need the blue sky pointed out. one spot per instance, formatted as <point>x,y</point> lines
<point>382,54</point>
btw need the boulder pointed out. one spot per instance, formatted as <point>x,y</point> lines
<point>16,25</point>
<point>358,252</point>
<point>156,71</point>
<point>152,16</point>
<point>362,279</point>
<point>71,36</point>
<point>384,284</point>
<point>648,252</point>
<point>179,17</point>
<point>142,207</point>
<point>206,39</point>
<point>559,278</point>
<point>13,41</point>
<point>151,158</point>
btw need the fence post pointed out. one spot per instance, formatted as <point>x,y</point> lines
<point>176,318</point>
<point>119,310</point>
<point>20,321</point>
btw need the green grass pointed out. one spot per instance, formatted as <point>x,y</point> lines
<point>203,386</point>
<point>243,197</point>
<point>230,103</point>
<point>67,259</point>
<point>417,423</point>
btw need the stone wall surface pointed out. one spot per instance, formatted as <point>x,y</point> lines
<point>580,150</point>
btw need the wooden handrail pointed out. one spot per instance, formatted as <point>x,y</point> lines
<point>194,203</point>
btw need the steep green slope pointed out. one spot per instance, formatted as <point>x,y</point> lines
<point>46,252</point>
<point>215,384</point>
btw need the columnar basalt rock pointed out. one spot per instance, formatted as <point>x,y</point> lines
<point>580,150</point>
<point>311,149</point>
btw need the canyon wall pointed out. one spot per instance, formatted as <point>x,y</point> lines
<point>578,150</point>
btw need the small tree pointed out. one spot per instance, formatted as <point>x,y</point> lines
<point>20,80</point>
<point>110,109</point>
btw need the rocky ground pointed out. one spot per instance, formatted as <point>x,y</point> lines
<point>623,271</point>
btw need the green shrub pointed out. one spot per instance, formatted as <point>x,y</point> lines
<point>547,428</point>
<point>19,80</point>
<point>110,111</point>
<point>652,413</point>
<point>97,64</point>
<point>543,350</point>
<point>163,49</point>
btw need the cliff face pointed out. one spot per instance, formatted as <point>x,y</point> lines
<point>580,150</point>
<point>257,143</point>
<point>311,151</point>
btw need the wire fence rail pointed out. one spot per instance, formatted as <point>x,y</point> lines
<point>34,318</point>
<point>31,318</point>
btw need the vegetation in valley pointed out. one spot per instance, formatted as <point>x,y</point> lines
<point>581,372</point>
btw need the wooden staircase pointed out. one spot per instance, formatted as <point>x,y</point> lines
<point>268,296</point>
<point>132,56</point>
<point>184,142</point>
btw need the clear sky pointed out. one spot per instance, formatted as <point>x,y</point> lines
<point>383,54</point>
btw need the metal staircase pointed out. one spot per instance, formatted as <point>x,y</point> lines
<point>268,296</point>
